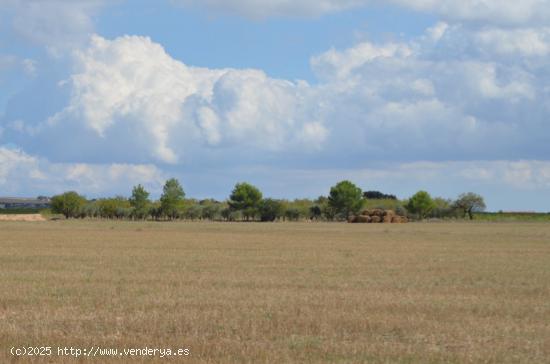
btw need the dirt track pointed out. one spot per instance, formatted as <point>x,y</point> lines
<point>34,217</point>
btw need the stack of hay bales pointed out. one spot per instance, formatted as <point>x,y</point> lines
<point>378,216</point>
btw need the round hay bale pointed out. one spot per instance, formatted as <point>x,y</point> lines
<point>363,219</point>
<point>376,219</point>
<point>404,219</point>
<point>387,219</point>
<point>396,220</point>
<point>390,213</point>
<point>366,213</point>
<point>377,212</point>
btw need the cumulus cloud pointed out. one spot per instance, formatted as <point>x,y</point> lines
<point>527,42</point>
<point>21,172</point>
<point>341,64</point>
<point>132,83</point>
<point>435,98</point>
<point>397,101</point>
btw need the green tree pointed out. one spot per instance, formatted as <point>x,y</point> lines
<point>211,209</point>
<point>292,213</point>
<point>421,204</point>
<point>326,210</point>
<point>245,198</point>
<point>345,199</point>
<point>469,203</point>
<point>90,210</point>
<point>303,206</point>
<point>270,209</point>
<point>193,211</point>
<point>171,201</point>
<point>69,204</point>
<point>443,208</point>
<point>117,207</point>
<point>140,202</point>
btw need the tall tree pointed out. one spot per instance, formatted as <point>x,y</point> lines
<point>246,198</point>
<point>470,203</point>
<point>171,201</point>
<point>140,202</point>
<point>345,199</point>
<point>69,204</point>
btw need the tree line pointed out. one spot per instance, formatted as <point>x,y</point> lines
<point>246,203</point>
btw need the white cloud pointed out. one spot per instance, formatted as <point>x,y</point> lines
<point>483,80</point>
<point>131,98</point>
<point>132,82</point>
<point>437,32</point>
<point>423,96</point>
<point>209,123</point>
<point>14,161</point>
<point>133,78</point>
<point>338,64</point>
<point>314,134</point>
<point>527,42</point>
<point>445,95</point>
<point>517,175</point>
<point>522,174</point>
<point>257,111</point>
<point>496,11</point>
<point>59,25</point>
<point>21,172</point>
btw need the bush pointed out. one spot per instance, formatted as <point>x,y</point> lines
<point>420,204</point>
<point>69,204</point>
<point>292,214</point>
<point>270,209</point>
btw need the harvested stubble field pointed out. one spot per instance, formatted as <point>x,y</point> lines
<point>279,293</point>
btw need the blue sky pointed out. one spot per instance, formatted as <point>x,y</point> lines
<point>448,96</point>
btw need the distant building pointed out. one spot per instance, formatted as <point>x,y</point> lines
<point>24,203</point>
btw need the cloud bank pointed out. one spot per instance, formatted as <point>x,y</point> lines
<point>470,96</point>
<point>425,97</point>
<point>20,171</point>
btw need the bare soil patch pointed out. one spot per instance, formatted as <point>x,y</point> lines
<point>22,217</point>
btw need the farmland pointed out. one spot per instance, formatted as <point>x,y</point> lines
<point>280,293</point>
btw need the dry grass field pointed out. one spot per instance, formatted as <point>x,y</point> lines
<point>279,293</point>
